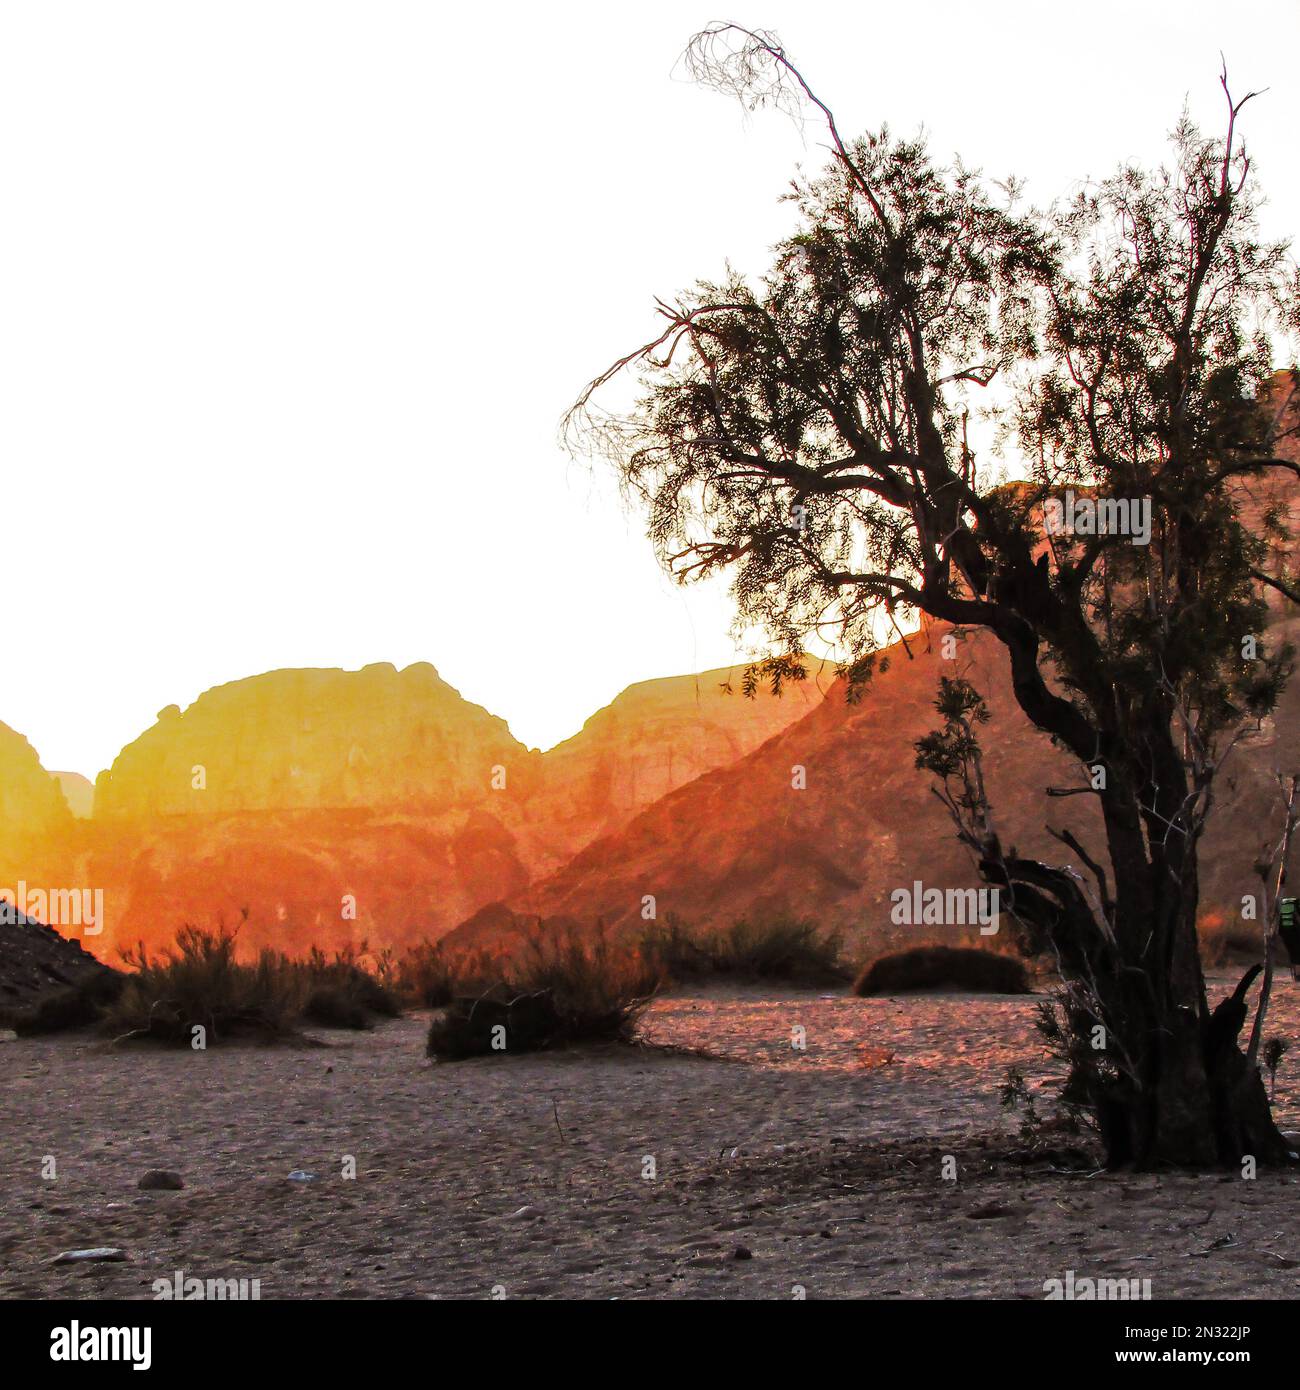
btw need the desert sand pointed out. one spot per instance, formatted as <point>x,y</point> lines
<point>778,1172</point>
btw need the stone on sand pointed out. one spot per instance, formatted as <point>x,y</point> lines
<point>161,1180</point>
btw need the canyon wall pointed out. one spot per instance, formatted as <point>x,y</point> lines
<point>828,819</point>
<point>336,807</point>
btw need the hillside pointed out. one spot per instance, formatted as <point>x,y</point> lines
<point>745,839</point>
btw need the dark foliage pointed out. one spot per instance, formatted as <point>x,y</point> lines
<point>777,948</point>
<point>943,967</point>
<point>564,988</point>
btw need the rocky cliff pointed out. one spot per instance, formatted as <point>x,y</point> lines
<point>830,818</point>
<point>338,806</point>
<point>32,805</point>
<point>315,740</point>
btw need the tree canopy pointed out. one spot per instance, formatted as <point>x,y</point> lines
<point>807,433</point>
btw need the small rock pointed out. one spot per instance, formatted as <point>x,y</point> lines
<point>161,1180</point>
<point>990,1211</point>
<point>742,1252</point>
<point>299,1175</point>
<point>104,1253</point>
<point>526,1214</point>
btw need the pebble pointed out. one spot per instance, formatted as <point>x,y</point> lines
<point>299,1175</point>
<point>161,1180</point>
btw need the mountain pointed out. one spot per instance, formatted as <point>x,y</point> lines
<point>314,740</point>
<point>830,818</point>
<point>337,806</point>
<point>657,736</point>
<point>31,804</point>
<point>78,792</point>
<point>35,823</point>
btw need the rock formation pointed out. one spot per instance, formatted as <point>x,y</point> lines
<point>78,792</point>
<point>376,805</point>
<point>31,802</point>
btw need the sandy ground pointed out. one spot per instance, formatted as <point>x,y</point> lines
<point>777,1172</point>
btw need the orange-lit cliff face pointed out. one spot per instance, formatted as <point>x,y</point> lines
<point>31,803</point>
<point>314,740</point>
<point>36,826</point>
<point>380,805</point>
<point>829,818</point>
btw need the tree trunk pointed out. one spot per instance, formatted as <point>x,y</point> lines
<point>1180,1092</point>
<point>1164,1077</point>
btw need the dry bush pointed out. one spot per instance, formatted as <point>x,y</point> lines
<point>564,987</point>
<point>342,993</point>
<point>943,967</point>
<point>200,983</point>
<point>431,975</point>
<point>773,948</point>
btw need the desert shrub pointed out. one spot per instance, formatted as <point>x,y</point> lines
<point>430,975</point>
<point>334,1006</point>
<point>562,988</point>
<point>200,983</point>
<point>342,993</point>
<point>775,948</point>
<point>77,1006</point>
<point>943,967</point>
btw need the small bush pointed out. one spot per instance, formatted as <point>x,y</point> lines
<point>943,967</point>
<point>341,993</point>
<point>200,983</point>
<point>430,976</point>
<point>778,948</point>
<point>565,988</point>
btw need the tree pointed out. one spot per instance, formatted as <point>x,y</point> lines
<point>807,435</point>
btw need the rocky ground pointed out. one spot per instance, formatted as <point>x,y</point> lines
<point>37,961</point>
<point>721,1161</point>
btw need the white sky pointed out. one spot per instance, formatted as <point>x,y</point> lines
<point>292,296</point>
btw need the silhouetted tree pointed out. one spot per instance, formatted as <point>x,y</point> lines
<point>807,433</point>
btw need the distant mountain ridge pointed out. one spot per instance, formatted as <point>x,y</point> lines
<point>378,804</point>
